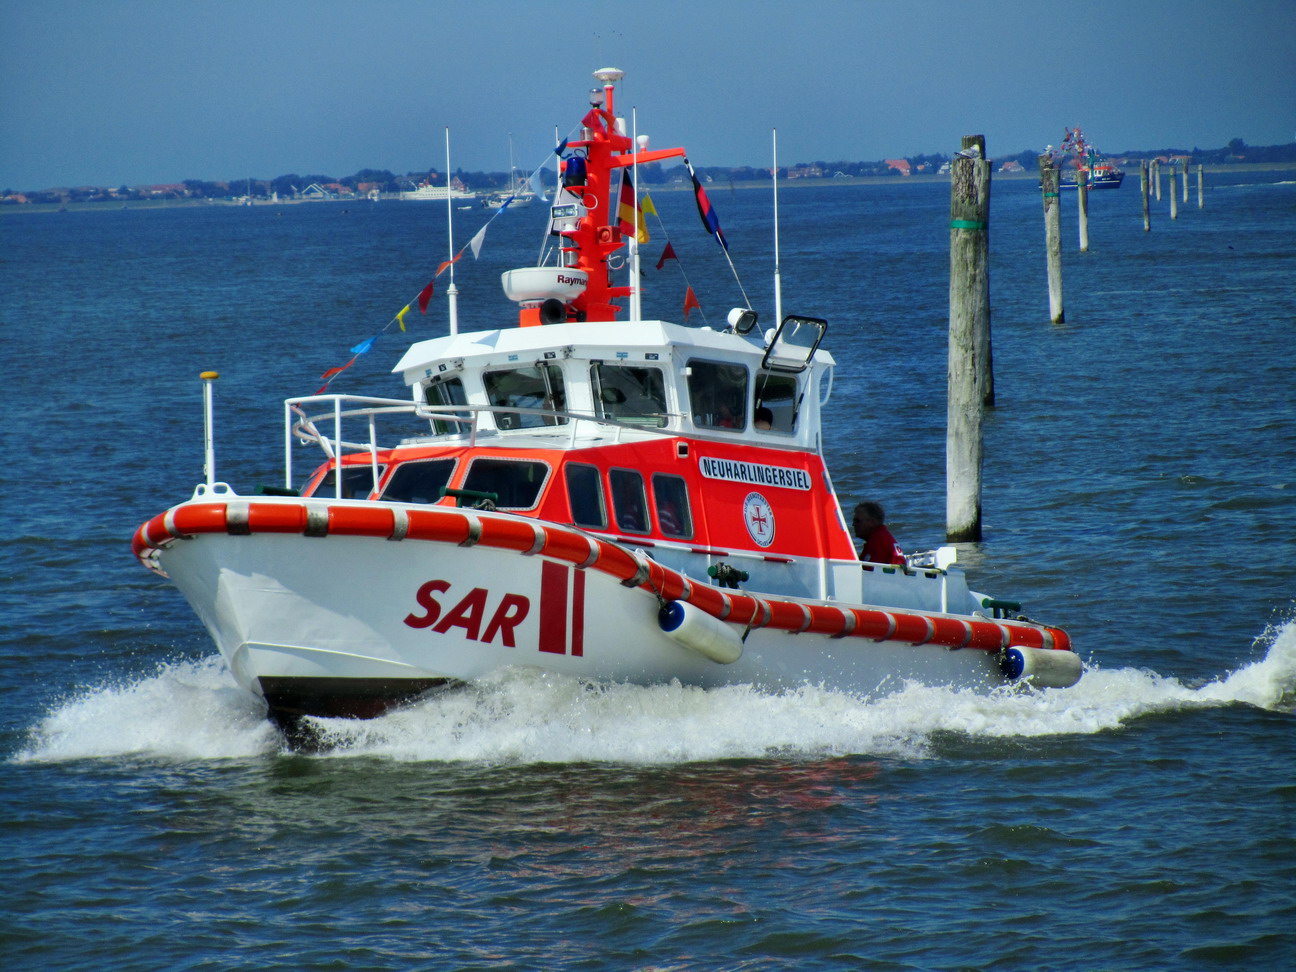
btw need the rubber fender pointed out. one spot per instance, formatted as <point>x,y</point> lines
<point>700,632</point>
<point>1041,667</point>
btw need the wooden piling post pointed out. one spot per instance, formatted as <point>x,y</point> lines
<point>1143,188</point>
<point>1156,179</point>
<point>1185,183</point>
<point>1082,200</point>
<point>971,374</point>
<point>1052,234</point>
<point>1200,181</point>
<point>1174,192</point>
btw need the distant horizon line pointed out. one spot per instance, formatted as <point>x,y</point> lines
<point>1132,155</point>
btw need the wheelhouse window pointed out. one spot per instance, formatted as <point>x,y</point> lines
<point>537,386</point>
<point>516,483</point>
<point>778,402</point>
<point>447,391</point>
<point>357,482</point>
<point>628,500</point>
<point>636,396</point>
<point>418,481</point>
<point>717,394</point>
<point>585,496</point>
<point>670,497</point>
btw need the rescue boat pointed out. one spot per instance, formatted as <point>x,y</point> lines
<point>635,500</point>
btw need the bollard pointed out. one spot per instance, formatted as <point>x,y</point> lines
<point>1082,200</point>
<point>970,376</point>
<point>1143,188</point>
<point>1052,234</point>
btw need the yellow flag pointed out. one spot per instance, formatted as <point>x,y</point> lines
<point>647,207</point>
<point>400,318</point>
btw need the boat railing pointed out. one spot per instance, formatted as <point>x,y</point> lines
<point>304,427</point>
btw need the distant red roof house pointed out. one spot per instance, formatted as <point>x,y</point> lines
<point>900,165</point>
<point>1012,165</point>
<point>802,171</point>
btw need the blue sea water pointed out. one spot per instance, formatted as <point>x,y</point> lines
<point>1140,491</point>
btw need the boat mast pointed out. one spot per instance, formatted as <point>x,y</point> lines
<point>778,283</point>
<point>452,292</point>
<point>636,288</point>
<point>595,236</point>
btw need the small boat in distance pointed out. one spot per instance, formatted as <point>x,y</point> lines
<point>615,500</point>
<point>518,195</point>
<point>1090,169</point>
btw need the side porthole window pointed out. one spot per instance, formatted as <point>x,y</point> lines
<point>670,496</point>
<point>585,496</point>
<point>418,481</point>
<point>516,483</point>
<point>628,501</point>
<point>357,482</point>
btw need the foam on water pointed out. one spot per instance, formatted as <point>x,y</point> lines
<point>193,711</point>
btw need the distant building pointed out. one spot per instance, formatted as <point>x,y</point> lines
<point>899,165</point>
<point>1012,165</point>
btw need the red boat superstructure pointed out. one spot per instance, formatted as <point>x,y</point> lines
<point>635,500</point>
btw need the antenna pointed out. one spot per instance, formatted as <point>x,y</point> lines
<point>636,293</point>
<point>452,292</point>
<point>778,284</point>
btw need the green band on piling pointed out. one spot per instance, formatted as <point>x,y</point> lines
<point>1050,195</point>
<point>972,224</point>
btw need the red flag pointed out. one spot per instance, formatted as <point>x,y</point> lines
<point>424,296</point>
<point>332,373</point>
<point>454,259</point>
<point>593,119</point>
<point>667,254</point>
<point>690,301</point>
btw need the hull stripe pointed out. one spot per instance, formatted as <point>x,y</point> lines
<point>553,608</point>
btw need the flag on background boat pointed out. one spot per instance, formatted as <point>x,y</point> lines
<point>709,218</point>
<point>626,210</point>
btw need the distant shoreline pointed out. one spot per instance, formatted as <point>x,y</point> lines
<point>142,205</point>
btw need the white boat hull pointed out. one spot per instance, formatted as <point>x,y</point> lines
<point>351,624</point>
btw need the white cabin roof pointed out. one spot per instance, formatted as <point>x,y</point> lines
<point>611,340</point>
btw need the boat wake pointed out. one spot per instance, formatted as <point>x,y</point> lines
<point>193,711</point>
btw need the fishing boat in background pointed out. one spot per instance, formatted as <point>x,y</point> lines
<point>1091,169</point>
<point>618,500</point>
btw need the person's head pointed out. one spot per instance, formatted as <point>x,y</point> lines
<point>764,418</point>
<point>868,517</point>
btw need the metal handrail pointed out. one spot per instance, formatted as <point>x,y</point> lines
<point>305,430</point>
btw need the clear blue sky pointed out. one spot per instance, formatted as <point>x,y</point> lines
<point>106,92</point>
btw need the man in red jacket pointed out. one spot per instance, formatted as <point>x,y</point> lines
<point>880,546</point>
